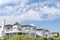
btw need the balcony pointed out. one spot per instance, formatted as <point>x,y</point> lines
<point>11,30</point>
<point>18,30</point>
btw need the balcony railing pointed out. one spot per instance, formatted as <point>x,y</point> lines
<point>16,30</point>
<point>9,30</point>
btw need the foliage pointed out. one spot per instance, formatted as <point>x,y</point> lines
<point>24,37</point>
<point>50,39</point>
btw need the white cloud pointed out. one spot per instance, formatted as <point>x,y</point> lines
<point>22,12</point>
<point>58,5</point>
<point>6,1</point>
<point>52,12</point>
<point>31,15</point>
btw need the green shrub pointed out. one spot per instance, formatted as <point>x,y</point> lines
<point>44,38</point>
<point>0,39</point>
<point>38,39</point>
<point>21,38</point>
<point>50,39</point>
<point>24,37</point>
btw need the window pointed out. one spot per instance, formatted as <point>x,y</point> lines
<point>7,34</point>
<point>0,26</point>
<point>26,28</point>
<point>8,28</point>
<point>14,27</point>
<point>19,33</point>
<point>19,28</point>
<point>34,28</point>
<point>32,34</point>
<point>14,34</point>
<point>29,28</point>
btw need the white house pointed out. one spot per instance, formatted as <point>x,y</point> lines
<point>17,29</point>
<point>41,32</point>
<point>48,34</point>
<point>55,34</point>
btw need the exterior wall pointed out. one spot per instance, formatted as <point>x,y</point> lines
<point>33,31</point>
<point>14,30</point>
<point>26,29</point>
<point>48,34</point>
<point>8,28</point>
<point>2,29</point>
<point>41,33</point>
<point>30,30</point>
<point>59,35</point>
<point>0,32</point>
<point>44,33</point>
<point>53,35</point>
<point>17,28</point>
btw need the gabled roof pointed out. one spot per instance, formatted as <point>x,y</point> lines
<point>55,32</point>
<point>38,29</point>
<point>16,23</point>
<point>0,26</point>
<point>8,25</point>
<point>47,31</point>
<point>27,26</point>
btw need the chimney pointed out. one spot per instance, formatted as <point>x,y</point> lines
<point>32,24</point>
<point>3,23</point>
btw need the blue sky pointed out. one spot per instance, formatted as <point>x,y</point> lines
<point>42,13</point>
<point>53,25</point>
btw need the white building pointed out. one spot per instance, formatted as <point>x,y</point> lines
<point>17,29</point>
<point>55,34</point>
<point>48,34</point>
<point>41,32</point>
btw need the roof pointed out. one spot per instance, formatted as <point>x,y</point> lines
<point>38,29</point>
<point>55,32</point>
<point>8,25</point>
<point>16,23</point>
<point>47,31</point>
<point>27,26</point>
<point>0,26</point>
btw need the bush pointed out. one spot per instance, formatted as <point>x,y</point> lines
<point>44,38</point>
<point>24,37</point>
<point>38,39</point>
<point>0,39</point>
<point>21,38</point>
<point>50,39</point>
